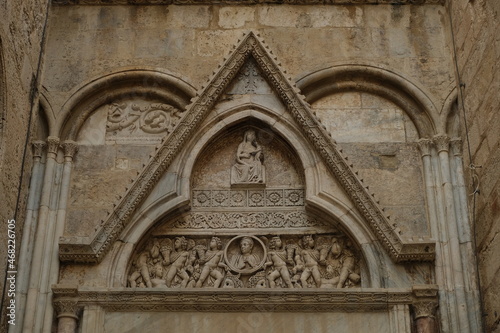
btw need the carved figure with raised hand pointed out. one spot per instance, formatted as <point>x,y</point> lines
<point>307,262</point>
<point>342,263</point>
<point>248,167</point>
<point>142,263</point>
<point>179,259</point>
<point>245,259</point>
<point>212,260</point>
<point>277,257</point>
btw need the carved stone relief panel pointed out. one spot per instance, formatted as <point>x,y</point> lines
<point>327,260</point>
<point>140,121</point>
<point>248,157</point>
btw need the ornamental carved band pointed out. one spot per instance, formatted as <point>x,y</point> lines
<point>246,261</point>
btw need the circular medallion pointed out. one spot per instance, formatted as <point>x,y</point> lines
<point>245,254</point>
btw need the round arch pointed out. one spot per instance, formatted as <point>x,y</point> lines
<point>125,83</point>
<point>335,79</point>
<point>177,196</point>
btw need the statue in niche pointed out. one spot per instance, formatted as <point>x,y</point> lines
<point>179,258</point>
<point>142,265</point>
<point>248,168</point>
<point>341,270</point>
<point>307,261</point>
<point>277,260</point>
<point>245,260</point>
<point>212,261</point>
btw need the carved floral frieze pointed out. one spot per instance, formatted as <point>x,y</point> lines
<point>246,261</point>
<point>128,121</point>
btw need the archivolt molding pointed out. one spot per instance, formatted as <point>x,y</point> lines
<point>126,83</point>
<point>355,77</point>
<point>81,250</point>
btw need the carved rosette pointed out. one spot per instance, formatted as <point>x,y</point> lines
<point>38,148</point>
<point>425,146</point>
<point>70,148</point>
<point>52,145</point>
<point>442,143</point>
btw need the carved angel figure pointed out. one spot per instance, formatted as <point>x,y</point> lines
<point>277,258</point>
<point>307,262</point>
<point>341,265</point>
<point>248,167</point>
<point>179,259</point>
<point>212,260</point>
<point>142,264</point>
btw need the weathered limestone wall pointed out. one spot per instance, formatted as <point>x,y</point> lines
<point>476,26</point>
<point>21,34</point>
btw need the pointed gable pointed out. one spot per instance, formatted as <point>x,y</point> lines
<point>94,248</point>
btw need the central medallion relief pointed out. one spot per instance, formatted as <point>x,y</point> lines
<point>247,226</point>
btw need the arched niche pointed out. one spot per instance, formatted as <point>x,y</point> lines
<point>159,217</point>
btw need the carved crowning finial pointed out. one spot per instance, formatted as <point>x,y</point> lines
<point>442,142</point>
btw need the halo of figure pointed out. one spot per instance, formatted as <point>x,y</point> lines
<point>245,260</point>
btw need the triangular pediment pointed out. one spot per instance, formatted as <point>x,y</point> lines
<point>249,55</point>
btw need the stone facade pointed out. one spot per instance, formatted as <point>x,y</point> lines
<point>262,160</point>
<point>475,26</point>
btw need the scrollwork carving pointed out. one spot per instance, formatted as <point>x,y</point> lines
<point>247,261</point>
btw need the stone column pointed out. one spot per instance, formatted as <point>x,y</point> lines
<point>69,148</point>
<point>424,308</point>
<point>26,249</point>
<point>67,315</point>
<point>425,321</point>
<point>456,286</point>
<point>36,302</point>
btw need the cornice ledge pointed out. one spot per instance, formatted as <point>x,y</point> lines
<point>246,2</point>
<point>92,250</point>
<point>235,300</point>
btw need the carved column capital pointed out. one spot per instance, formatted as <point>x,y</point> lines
<point>425,146</point>
<point>38,147</point>
<point>70,148</point>
<point>442,142</point>
<point>425,308</point>
<point>456,146</point>
<point>52,144</point>
<point>67,308</point>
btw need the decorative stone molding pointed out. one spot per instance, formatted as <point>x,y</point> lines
<point>243,300</point>
<point>38,147</point>
<point>67,308</point>
<point>425,146</point>
<point>52,144</point>
<point>80,250</point>
<point>442,143</point>
<point>256,199</point>
<point>70,148</point>
<point>456,146</point>
<point>244,2</point>
<point>247,220</point>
